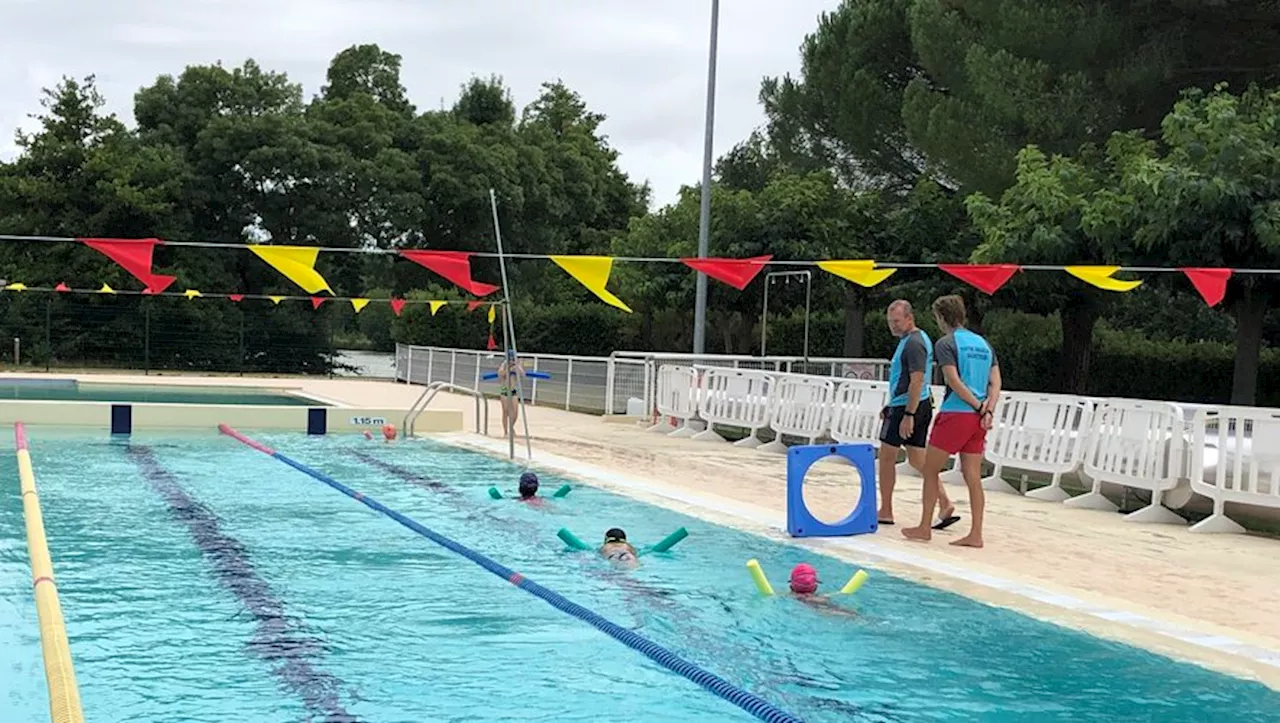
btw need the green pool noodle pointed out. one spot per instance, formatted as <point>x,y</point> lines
<point>572,540</point>
<point>670,541</point>
<point>562,491</point>
<point>494,493</point>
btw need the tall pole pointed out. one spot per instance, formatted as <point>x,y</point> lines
<point>509,341</point>
<point>704,218</point>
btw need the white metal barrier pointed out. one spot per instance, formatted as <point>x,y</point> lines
<point>1235,457</point>
<point>855,414</point>
<point>1138,445</point>
<point>801,408</point>
<point>676,399</point>
<point>734,398</point>
<point>1038,433</point>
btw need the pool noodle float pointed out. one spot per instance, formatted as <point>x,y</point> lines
<point>564,490</point>
<point>854,583</point>
<point>757,574</point>
<point>667,542</point>
<point>749,702</point>
<point>490,376</point>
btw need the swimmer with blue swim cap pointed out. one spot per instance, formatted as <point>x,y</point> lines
<point>617,550</point>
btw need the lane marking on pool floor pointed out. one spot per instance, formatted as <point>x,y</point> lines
<point>606,478</point>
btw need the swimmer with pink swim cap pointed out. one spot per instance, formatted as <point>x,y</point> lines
<point>804,586</point>
<point>389,432</point>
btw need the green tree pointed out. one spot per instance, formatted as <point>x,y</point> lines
<point>890,89</point>
<point>1212,199</point>
<point>1063,211</point>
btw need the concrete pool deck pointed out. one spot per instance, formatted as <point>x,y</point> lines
<point>1210,599</point>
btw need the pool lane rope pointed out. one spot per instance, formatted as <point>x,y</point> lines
<point>751,703</point>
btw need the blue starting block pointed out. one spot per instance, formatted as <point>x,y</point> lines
<point>861,521</point>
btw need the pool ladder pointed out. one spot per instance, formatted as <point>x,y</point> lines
<point>430,392</point>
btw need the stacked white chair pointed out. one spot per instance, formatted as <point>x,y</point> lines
<point>1235,457</point>
<point>1038,433</point>
<point>734,398</point>
<point>801,408</point>
<point>676,399</point>
<point>1134,444</point>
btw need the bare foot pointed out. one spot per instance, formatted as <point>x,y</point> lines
<point>967,541</point>
<point>945,513</point>
<point>920,534</point>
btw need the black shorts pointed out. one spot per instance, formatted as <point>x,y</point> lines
<point>892,422</point>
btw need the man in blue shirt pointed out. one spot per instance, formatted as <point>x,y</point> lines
<point>972,374</point>
<point>905,419</point>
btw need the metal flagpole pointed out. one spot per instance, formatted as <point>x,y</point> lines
<point>704,214</point>
<point>509,337</point>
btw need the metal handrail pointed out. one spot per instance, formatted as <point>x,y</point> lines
<point>430,392</point>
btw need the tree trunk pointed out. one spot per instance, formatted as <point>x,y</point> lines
<point>1250,310</point>
<point>1078,318</point>
<point>855,322</point>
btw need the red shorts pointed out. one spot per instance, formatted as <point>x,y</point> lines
<point>958,433</point>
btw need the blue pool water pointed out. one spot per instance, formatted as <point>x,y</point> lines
<point>71,390</point>
<point>204,581</point>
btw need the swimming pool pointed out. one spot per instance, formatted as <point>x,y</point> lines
<point>203,581</point>
<point>71,390</point>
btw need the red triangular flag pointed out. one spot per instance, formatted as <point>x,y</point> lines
<point>397,305</point>
<point>134,256</point>
<point>987,278</point>
<point>454,266</point>
<point>492,343</point>
<point>316,301</point>
<point>62,286</point>
<point>1211,283</point>
<point>473,305</point>
<point>734,272</point>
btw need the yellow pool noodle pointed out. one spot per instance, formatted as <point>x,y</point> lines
<point>757,575</point>
<point>854,583</point>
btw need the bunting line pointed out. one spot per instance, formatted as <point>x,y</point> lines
<point>297,263</point>
<point>357,303</point>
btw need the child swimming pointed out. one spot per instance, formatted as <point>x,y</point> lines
<point>804,587</point>
<point>616,549</point>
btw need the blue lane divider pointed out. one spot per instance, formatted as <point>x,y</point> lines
<point>751,703</point>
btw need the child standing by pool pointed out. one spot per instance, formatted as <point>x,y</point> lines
<point>509,390</point>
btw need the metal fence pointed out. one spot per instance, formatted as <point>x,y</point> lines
<point>623,383</point>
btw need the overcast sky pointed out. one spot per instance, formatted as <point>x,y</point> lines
<point>643,64</point>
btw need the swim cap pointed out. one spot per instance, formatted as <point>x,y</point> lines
<point>389,431</point>
<point>615,534</point>
<point>528,484</point>
<point>804,579</point>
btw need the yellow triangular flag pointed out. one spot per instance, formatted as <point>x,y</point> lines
<point>1100,276</point>
<point>16,287</point>
<point>493,312</point>
<point>191,293</point>
<point>297,263</point>
<point>276,299</point>
<point>862,273</point>
<point>593,273</point>
<point>359,304</point>
<point>106,290</point>
<point>435,306</point>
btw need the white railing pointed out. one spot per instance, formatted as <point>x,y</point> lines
<point>1235,457</point>
<point>1043,433</point>
<point>598,385</point>
<point>734,398</point>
